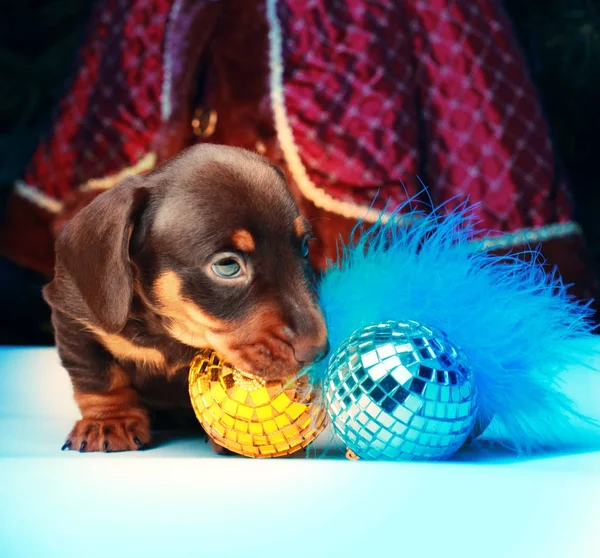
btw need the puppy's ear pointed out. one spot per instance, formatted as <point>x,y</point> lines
<point>92,253</point>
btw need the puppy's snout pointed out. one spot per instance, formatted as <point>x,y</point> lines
<point>309,353</point>
<point>324,351</point>
<point>305,330</point>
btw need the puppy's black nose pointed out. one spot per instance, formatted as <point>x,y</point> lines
<point>324,352</point>
<point>309,354</point>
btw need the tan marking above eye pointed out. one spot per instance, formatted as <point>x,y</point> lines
<point>301,227</point>
<point>243,240</point>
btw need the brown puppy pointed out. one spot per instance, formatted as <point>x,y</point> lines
<point>207,251</point>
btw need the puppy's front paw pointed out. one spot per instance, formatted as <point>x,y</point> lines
<point>218,449</point>
<point>109,434</point>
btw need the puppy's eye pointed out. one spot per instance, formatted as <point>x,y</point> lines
<point>227,268</point>
<point>304,247</point>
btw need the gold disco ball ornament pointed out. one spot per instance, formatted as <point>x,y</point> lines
<point>251,416</point>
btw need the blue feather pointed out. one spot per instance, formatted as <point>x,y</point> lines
<point>515,322</point>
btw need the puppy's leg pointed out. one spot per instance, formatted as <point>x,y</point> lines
<point>112,417</point>
<point>112,420</point>
<point>218,449</point>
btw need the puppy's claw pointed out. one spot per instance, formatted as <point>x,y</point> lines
<point>110,435</point>
<point>66,445</point>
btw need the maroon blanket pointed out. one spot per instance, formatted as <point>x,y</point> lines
<point>359,100</point>
<point>378,93</point>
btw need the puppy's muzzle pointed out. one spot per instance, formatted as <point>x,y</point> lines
<point>308,354</point>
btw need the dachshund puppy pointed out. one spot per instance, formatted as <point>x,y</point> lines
<point>208,250</point>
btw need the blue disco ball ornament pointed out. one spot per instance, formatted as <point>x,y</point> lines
<point>401,391</point>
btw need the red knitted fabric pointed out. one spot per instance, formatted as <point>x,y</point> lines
<point>380,92</point>
<point>376,94</point>
<point>110,115</point>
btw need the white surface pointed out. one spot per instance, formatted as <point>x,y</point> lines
<point>180,500</point>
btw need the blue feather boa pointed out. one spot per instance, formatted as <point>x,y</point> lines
<point>515,322</point>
